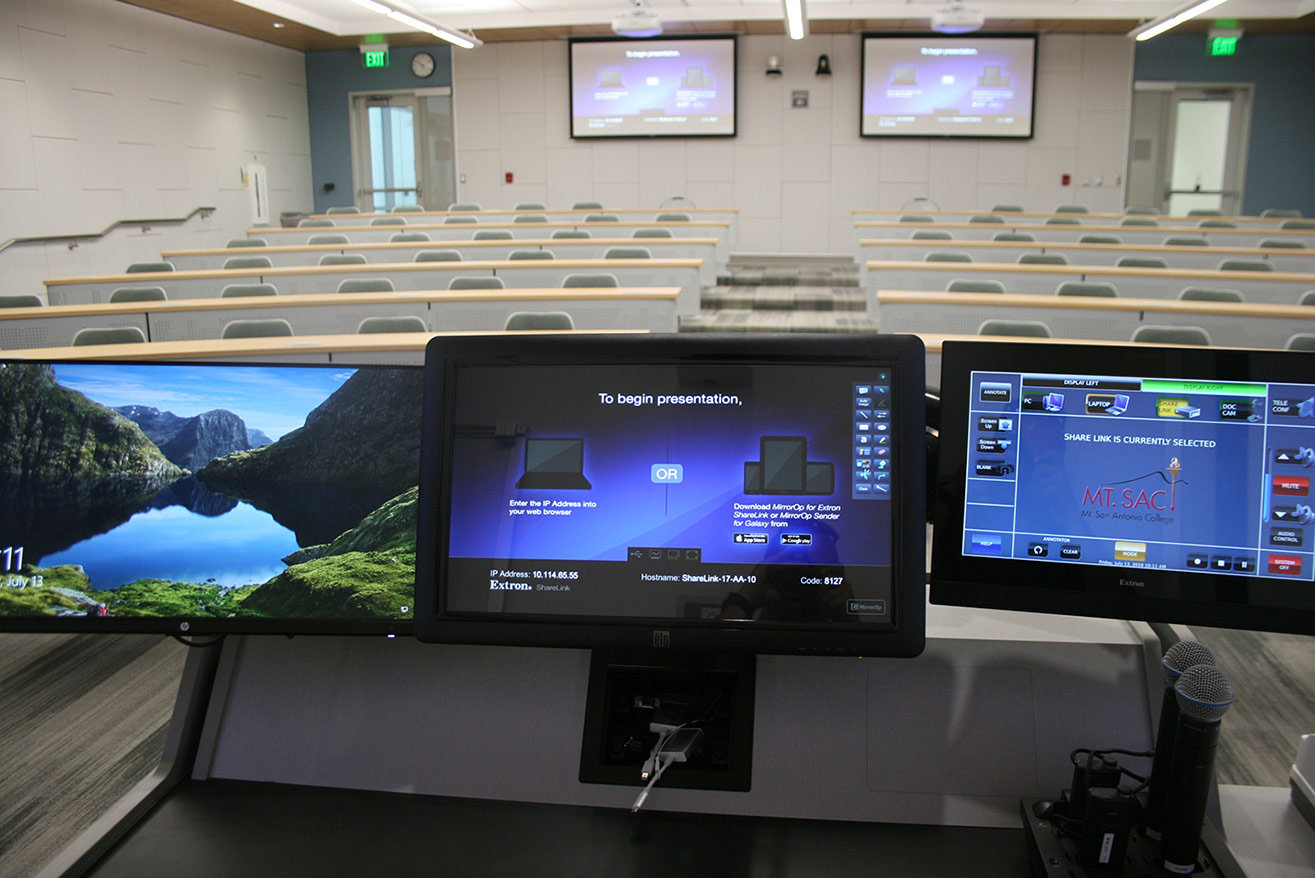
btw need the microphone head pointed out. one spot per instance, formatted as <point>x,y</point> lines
<point>1183,655</point>
<point>1204,693</point>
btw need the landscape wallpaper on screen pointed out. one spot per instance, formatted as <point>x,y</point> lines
<point>227,492</point>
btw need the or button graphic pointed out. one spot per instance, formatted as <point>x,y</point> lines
<point>667,473</point>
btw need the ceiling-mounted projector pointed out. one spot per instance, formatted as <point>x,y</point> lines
<point>638,22</point>
<point>957,19</point>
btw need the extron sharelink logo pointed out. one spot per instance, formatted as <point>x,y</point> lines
<point>1146,498</point>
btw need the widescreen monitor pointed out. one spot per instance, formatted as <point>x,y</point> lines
<point>662,87</point>
<point>709,493</point>
<point>936,85</point>
<point>1162,484</point>
<point>208,498</point>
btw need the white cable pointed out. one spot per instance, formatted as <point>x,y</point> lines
<point>663,764</point>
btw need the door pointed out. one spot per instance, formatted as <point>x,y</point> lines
<point>1188,149</point>
<point>402,149</point>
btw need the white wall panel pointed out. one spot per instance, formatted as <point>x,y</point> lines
<point>1085,83</point>
<point>520,77</point>
<point>49,16</point>
<point>475,102</point>
<point>570,176</point>
<point>18,168</point>
<point>804,210</point>
<point>757,180</point>
<point>557,111</point>
<point>710,159</point>
<point>952,173</point>
<point>483,173</point>
<point>1107,73</point>
<point>96,145</point>
<point>1056,121</point>
<point>1060,53</point>
<point>661,171</point>
<point>617,194</point>
<point>615,161</point>
<point>522,138</point>
<point>806,145</point>
<point>49,84</point>
<point>54,157</point>
<point>904,161</point>
<point>110,114</point>
<point>1000,162</point>
<point>1045,168</point>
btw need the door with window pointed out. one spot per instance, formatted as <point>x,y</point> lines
<point>1188,149</point>
<point>402,149</point>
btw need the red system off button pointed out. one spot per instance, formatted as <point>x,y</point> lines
<point>1285,565</point>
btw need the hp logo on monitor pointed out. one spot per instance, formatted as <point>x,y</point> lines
<point>661,639</point>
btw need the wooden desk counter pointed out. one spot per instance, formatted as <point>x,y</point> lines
<point>1281,287</point>
<point>1229,324</point>
<point>1235,237</point>
<point>397,347</point>
<point>1098,218</point>
<point>651,308</point>
<point>365,233</point>
<point>646,215</point>
<point>291,254</point>
<point>683,273</point>
<point>1178,256</point>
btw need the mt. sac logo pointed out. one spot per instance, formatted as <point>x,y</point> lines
<point>1160,495</point>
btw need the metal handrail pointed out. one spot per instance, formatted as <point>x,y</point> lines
<point>73,239</point>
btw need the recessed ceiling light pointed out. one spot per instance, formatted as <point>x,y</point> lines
<point>279,24</point>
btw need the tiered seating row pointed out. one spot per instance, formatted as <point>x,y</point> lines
<point>424,276</point>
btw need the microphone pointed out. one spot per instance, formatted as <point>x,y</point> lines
<point>1181,656</point>
<point>1204,694</point>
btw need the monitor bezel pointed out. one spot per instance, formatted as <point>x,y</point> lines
<point>194,626</point>
<point>924,35</point>
<point>906,356</point>
<point>571,43</point>
<point>1088,589</point>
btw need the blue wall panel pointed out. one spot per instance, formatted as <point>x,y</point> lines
<point>330,78</point>
<point>1280,172</point>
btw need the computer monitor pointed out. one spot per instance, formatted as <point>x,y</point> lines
<point>697,492</point>
<point>1162,484</point>
<point>208,498</point>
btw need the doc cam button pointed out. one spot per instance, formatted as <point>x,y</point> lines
<point>667,473</point>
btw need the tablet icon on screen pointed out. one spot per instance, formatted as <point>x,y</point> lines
<point>783,468</point>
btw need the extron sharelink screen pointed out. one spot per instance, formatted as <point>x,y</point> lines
<point>1172,474</point>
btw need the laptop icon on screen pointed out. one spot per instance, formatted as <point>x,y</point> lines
<point>556,464</point>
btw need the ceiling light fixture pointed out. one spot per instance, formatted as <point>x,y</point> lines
<point>452,35</point>
<point>796,19</point>
<point>1159,25</point>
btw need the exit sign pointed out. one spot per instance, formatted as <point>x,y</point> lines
<point>375,59</point>
<point>1223,46</point>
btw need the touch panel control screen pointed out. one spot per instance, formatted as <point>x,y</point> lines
<point>1141,472</point>
<point>673,492</point>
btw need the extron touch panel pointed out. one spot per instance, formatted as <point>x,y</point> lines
<point>730,494</point>
<point>1155,475</point>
